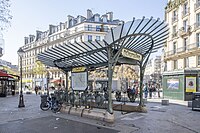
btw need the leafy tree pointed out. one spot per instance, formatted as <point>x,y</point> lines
<point>5,16</point>
<point>39,69</point>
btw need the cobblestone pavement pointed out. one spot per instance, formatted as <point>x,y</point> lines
<point>160,119</point>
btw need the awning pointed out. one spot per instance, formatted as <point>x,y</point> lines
<point>139,38</point>
<point>3,74</point>
<point>56,81</point>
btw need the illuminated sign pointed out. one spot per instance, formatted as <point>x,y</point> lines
<point>131,54</point>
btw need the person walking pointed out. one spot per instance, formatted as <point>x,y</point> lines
<point>36,90</point>
<point>145,90</point>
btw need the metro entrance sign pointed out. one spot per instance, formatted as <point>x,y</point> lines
<point>130,54</point>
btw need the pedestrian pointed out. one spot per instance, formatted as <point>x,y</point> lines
<point>150,91</point>
<point>133,90</point>
<point>36,90</point>
<point>158,89</point>
<point>129,91</point>
<point>145,90</point>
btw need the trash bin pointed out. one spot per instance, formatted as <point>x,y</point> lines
<point>44,98</point>
<point>196,100</point>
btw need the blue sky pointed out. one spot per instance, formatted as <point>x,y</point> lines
<point>32,15</point>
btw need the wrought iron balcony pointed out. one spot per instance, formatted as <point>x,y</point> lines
<point>193,46</point>
<point>197,25</point>
<point>181,49</point>
<point>174,18</point>
<point>184,31</point>
<point>172,52</point>
<point>197,5</point>
<point>174,34</point>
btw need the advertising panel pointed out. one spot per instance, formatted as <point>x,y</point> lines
<point>190,84</point>
<point>172,84</point>
<point>79,81</point>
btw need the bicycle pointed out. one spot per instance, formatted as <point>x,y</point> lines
<point>50,103</point>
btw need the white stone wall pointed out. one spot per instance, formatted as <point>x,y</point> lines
<point>180,40</point>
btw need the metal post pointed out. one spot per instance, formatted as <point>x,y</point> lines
<point>47,82</point>
<point>141,89</point>
<point>21,98</point>
<point>66,89</point>
<point>110,71</point>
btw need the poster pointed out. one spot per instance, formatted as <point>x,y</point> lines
<point>190,84</point>
<point>79,81</point>
<point>172,84</point>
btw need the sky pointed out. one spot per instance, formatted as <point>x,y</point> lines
<point>32,15</point>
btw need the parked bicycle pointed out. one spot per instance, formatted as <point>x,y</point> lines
<point>50,103</point>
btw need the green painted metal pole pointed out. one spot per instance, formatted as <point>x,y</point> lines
<point>66,87</point>
<point>141,85</point>
<point>110,71</point>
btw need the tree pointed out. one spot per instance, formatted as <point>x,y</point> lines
<point>5,16</point>
<point>39,69</point>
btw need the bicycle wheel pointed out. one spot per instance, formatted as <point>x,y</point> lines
<point>56,107</point>
<point>44,106</point>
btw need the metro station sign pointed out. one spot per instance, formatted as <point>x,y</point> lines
<point>79,69</point>
<point>130,54</point>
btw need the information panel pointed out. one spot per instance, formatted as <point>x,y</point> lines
<point>79,81</point>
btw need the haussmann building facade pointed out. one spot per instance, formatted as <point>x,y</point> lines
<point>75,29</point>
<point>181,76</point>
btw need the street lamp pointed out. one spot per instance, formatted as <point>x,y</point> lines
<point>21,98</point>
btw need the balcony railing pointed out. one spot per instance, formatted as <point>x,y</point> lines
<point>197,5</point>
<point>181,49</point>
<point>185,31</point>
<point>170,52</point>
<point>197,25</point>
<point>175,34</point>
<point>193,46</point>
<point>174,18</point>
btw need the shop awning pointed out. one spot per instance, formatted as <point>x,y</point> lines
<point>56,81</point>
<point>3,74</point>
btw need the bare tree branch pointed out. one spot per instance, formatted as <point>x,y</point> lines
<point>5,15</point>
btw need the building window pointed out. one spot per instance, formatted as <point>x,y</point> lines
<point>98,28</point>
<point>185,24</point>
<point>198,59</point>
<point>198,39</point>
<point>185,9</point>
<point>174,17</point>
<point>186,62</point>
<point>89,27</point>
<point>105,28</point>
<point>174,31</point>
<point>175,64</point>
<point>89,37</point>
<point>198,20</point>
<point>98,38</point>
<point>174,47</point>
<point>185,42</point>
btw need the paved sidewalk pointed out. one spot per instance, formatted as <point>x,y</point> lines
<point>159,119</point>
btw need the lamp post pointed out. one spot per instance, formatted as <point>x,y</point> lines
<point>21,98</point>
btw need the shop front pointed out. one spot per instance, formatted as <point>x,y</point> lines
<point>7,84</point>
<point>181,84</point>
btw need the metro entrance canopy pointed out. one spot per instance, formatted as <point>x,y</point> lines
<point>129,43</point>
